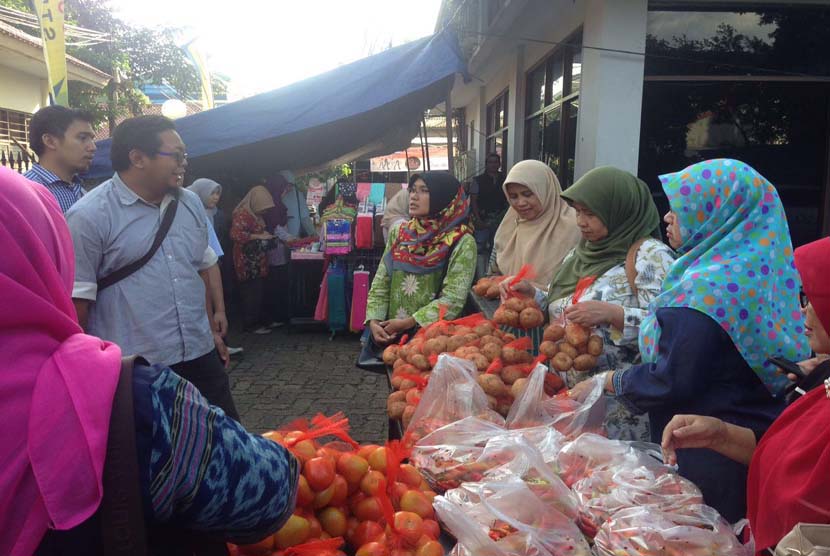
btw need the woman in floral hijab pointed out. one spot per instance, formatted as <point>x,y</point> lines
<point>429,260</point>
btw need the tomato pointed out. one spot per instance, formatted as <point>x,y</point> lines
<point>431,528</point>
<point>323,498</point>
<point>366,532</point>
<point>364,451</point>
<point>305,496</point>
<point>274,436</point>
<point>355,499</point>
<point>410,476</point>
<point>398,490</point>
<point>320,472</point>
<point>295,531</point>
<point>410,526</point>
<point>372,483</point>
<point>369,509</point>
<point>377,460</point>
<point>352,467</point>
<point>415,501</point>
<point>372,549</point>
<point>351,527</point>
<point>341,492</point>
<point>316,528</point>
<point>333,521</point>
<point>432,548</point>
<point>401,552</point>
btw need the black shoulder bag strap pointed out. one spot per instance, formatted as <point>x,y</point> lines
<point>123,532</point>
<point>124,271</point>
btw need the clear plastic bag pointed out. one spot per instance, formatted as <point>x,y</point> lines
<point>581,457</point>
<point>449,455</point>
<point>696,530</point>
<point>506,519</point>
<point>613,488</point>
<point>451,395</point>
<point>573,418</point>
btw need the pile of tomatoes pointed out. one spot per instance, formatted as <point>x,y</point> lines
<point>363,494</point>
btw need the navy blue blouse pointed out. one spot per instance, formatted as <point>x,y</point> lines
<point>699,371</point>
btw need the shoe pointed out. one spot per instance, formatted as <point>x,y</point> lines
<point>276,324</point>
<point>261,330</point>
<point>235,351</point>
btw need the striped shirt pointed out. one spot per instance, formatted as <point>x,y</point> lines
<point>66,193</point>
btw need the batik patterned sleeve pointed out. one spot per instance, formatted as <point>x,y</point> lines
<point>377,303</point>
<point>457,283</point>
<point>207,473</point>
<point>654,260</point>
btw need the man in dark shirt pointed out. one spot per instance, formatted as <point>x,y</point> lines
<point>488,204</point>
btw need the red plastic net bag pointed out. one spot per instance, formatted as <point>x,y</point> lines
<point>519,311</point>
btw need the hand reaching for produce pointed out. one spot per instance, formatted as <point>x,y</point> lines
<point>395,327</point>
<point>379,334</point>
<point>596,313</point>
<point>523,287</point>
<point>581,390</point>
<point>691,431</point>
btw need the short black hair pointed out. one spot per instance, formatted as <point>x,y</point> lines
<point>141,133</point>
<point>54,120</point>
<point>493,155</point>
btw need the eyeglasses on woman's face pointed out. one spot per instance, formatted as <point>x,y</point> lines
<point>802,298</point>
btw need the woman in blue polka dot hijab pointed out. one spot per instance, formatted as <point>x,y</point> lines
<point>729,302</point>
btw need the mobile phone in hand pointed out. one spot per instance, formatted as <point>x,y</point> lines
<point>787,366</point>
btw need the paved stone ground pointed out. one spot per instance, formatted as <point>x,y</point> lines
<point>294,373</point>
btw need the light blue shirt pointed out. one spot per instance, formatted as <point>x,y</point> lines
<point>298,216</point>
<point>213,240</point>
<point>159,311</point>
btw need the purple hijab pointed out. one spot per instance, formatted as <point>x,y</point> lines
<point>277,216</point>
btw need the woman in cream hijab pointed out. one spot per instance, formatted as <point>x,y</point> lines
<point>539,228</point>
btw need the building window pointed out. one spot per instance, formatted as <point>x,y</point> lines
<point>752,85</point>
<point>14,132</point>
<point>497,127</point>
<point>552,108</point>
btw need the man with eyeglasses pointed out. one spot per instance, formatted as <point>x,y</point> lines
<point>138,285</point>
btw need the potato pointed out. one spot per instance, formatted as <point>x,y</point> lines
<point>491,351</point>
<point>585,363</point>
<point>493,292</point>
<point>554,333</point>
<point>395,410</point>
<point>406,384</point>
<point>511,318</point>
<point>390,354</point>
<point>492,402</point>
<point>463,331</point>
<point>456,342</point>
<point>514,304</point>
<point>482,286</point>
<point>396,397</point>
<point>435,346</point>
<point>484,329</point>
<point>512,373</point>
<point>492,385</point>
<point>582,349</point>
<point>548,348</point>
<point>531,317</point>
<point>439,329</point>
<point>568,349</point>
<point>420,362</point>
<point>595,345</point>
<point>503,407</point>
<point>481,362</point>
<point>576,334</point>
<point>507,338</point>
<point>396,382</point>
<point>518,387</point>
<point>511,355</point>
<point>406,418</point>
<point>398,363</point>
<point>491,340</point>
<point>562,362</point>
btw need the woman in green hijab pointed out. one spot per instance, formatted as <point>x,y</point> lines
<point>595,287</point>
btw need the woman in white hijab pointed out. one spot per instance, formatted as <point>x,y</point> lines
<point>539,228</point>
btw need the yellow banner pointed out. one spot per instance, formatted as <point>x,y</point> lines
<point>196,56</point>
<point>50,15</point>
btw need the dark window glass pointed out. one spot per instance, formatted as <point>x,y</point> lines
<point>780,129</point>
<point>576,72</point>
<point>571,114</point>
<point>556,76</point>
<point>536,90</point>
<point>551,153</point>
<point>753,42</point>
<point>534,135</point>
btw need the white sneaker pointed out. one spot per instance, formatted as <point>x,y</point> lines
<point>276,324</point>
<point>235,351</point>
<point>262,330</point>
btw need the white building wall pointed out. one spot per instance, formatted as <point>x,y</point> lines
<point>608,128</point>
<point>22,92</point>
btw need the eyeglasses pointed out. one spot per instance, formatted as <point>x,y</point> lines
<point>802,298</point>
<point>178,155</point>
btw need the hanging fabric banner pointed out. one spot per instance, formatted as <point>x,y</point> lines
<point>197,58</point>
<point>50,16</point>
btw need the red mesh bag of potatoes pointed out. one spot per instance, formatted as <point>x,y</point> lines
<point>519,311</point>
<point>571,346</point>
<point>488,287</point>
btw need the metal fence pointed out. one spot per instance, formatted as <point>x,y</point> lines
<point>15,159</point>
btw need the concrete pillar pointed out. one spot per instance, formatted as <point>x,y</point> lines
<point>481,124</point>
<point>612,85</point>
<point>516,110</point>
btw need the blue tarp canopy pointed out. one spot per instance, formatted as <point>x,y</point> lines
<point>365,108</point>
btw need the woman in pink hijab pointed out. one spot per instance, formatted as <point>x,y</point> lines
<point>57,387</point>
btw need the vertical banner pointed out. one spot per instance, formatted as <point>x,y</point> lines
<point>50,16</point>
<point>197,58</point>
